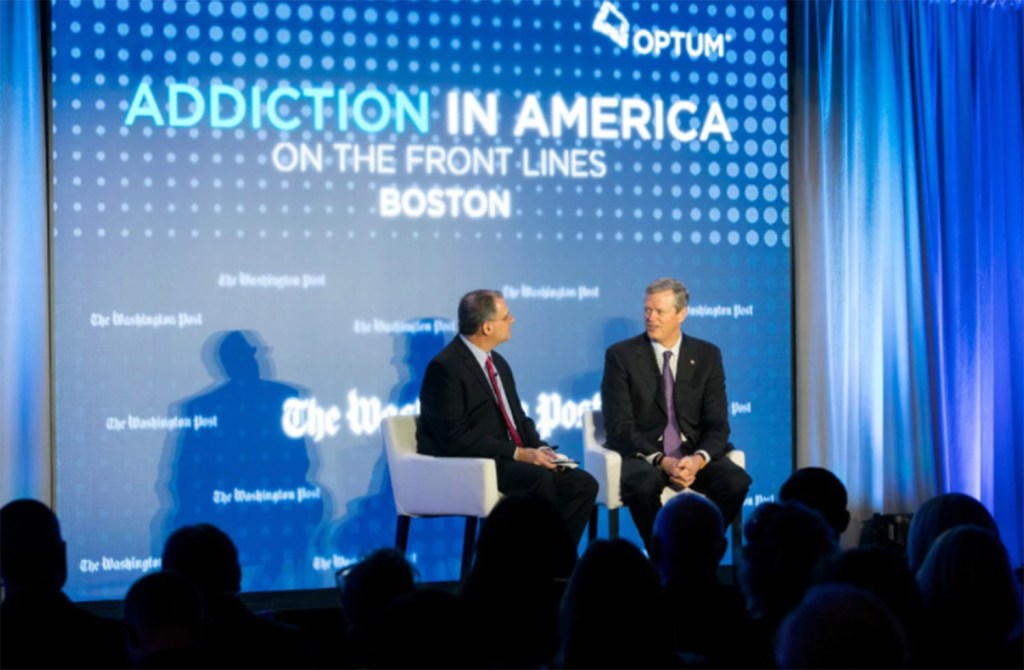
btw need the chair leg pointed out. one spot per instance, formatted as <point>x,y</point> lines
<point>468,541</point>
<point>402,533</point>
<point>613,523</point>
<point>592,527</point>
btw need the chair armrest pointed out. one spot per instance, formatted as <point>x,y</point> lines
<point>432,485</point>
<point>737,457</point>
<point>606,467</point>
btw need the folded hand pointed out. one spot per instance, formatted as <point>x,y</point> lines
<point>542,457</point>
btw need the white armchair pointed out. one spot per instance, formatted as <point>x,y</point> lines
<point>606,467</point>
<point>431,486</point>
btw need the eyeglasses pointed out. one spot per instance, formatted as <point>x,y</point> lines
<point>507,317</point>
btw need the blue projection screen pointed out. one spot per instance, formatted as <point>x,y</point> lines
<point>265,213</point>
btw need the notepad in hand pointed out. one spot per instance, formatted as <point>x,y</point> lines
<point>561,461</point>
<point>564,462</point>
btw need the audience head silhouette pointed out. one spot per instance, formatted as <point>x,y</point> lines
<point>523,530</point>
<point>523,557</point>
<point>33,556</point>
<point>39,625</point>
<point>841,626</point>
<point>939,515</point>
<point>235,637</point>
<point>882,572</point>
<point>970,592</point>
<point>688,539</point>
<point>163,619</point>
<point>820,490</point>
<point>687,545</point>
<point>207,555</point>
<point>784,545</point>
<point>368,589</point>
<point>613,614</point>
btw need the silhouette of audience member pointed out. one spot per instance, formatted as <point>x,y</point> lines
<point>367,591</point>
<point>524,557</point>
<point>883,572</point>
<point>841,626</point>
<point>820,490</point>
<point>785,543</point>
<point>939,514</point>
<point>236,637</point>
<point>613,613</point>
<point>686,548</point>
<point>972,602</point>
<point>425,629</point>
<point>163,622</point>
<point>39,626</point>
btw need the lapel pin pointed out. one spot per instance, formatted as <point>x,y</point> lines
<point>693,362</point>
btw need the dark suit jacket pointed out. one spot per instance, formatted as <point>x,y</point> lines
<point>458,413</point>
<point>634,404</point>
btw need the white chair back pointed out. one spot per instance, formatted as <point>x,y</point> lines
<point>604,464</point>
<point>593,430</point>
<point>436,486</point>
<point>399,436</point>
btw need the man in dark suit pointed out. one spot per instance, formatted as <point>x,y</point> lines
<point>665,411</point>
<point>469,406</point>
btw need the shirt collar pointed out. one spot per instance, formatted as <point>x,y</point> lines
<point>659,351</point>
<point>479,354</point>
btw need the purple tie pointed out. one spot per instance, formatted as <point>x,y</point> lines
<point>671,443</point>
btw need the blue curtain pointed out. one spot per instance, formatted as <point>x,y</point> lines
<point>908,180</point>
<point>24,292</point>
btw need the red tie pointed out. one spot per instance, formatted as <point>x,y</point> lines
<point>501,404</point>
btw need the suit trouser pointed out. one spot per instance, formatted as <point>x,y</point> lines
<point>572,491</point>
<point>722,481</point>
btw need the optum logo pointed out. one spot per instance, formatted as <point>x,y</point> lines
<point>613,24</point>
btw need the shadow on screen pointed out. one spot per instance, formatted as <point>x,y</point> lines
<point>585,385</point>
<point>234,466</point>
<point>588,383</point>
<point>370,521</point>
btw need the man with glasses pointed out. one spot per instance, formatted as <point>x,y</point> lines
<point>469,406</point>
<point>665,411</point>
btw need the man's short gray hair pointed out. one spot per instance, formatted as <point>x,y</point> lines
<point>682,296</point>
<point>475,308</point>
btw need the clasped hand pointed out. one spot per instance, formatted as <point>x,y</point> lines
<point>682,471</point>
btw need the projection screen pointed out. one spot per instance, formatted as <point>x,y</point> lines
<point>264,214</point>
